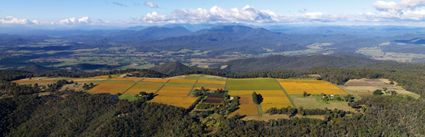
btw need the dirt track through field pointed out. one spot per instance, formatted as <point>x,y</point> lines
<point>287,95</point>
<point>193,86</point>
<point>163,85</point>
<point>135,83</point>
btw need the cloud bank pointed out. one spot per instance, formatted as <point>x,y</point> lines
<point>403,10</point>
<point>213,15</point>
<point>74,21</point>
<point>13,21</point>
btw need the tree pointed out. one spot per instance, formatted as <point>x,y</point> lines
<point>147,96</point>
<point>306,94</point>
<point>378,92</point>
<point>257,98</point>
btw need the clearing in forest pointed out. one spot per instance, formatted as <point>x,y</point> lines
<point>365,87</point>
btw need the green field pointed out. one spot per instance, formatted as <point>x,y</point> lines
<point>128,97</point>
<point>252,84</point>
<point>315,102</point>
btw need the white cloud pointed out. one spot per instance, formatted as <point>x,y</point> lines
<point>75,21</point>
<point>386,5</point>
<point>151,4</point>
<point>403,10</point>
<point>215,14</point>
<point>412,3</point>
<point>19,21</point>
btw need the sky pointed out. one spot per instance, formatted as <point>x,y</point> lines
<point>130,12</point>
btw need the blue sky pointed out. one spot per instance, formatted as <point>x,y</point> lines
<point>56,9</point>
<point>181,11</point>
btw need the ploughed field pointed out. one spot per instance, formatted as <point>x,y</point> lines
<point>176,91</point>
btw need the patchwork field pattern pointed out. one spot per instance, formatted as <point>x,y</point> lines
<point>299,86</point>
<point>176,90</point>
<point>273,95</point>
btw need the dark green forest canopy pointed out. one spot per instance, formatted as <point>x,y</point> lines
<point>81,114</point>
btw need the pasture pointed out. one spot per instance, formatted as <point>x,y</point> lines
<point>315,102</point>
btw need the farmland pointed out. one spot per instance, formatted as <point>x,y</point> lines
<point>299,86</point>
<point>177,91</point>
<point>365,87</point>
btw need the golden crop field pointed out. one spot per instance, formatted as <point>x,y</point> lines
<point>149,87</point>
<point>183,81</point>
<point>271,98</point>
<point>177,91</point>
<point>184,102</point>
<point>112,86</point>
<point>210,84</point>
<point>295,86</point>
<point>155,80</point>
<point>247,106</point>
<point>279,101</point>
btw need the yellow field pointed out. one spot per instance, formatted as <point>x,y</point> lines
<point>279,101</point>
<point>295,86</point>
<point>155,80</point>
<point>149,87</point>
<point>271,98</point>
<point>184,102</point>
<point>188,81</point>
<point>247,106</point>
<point>113,87</point>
